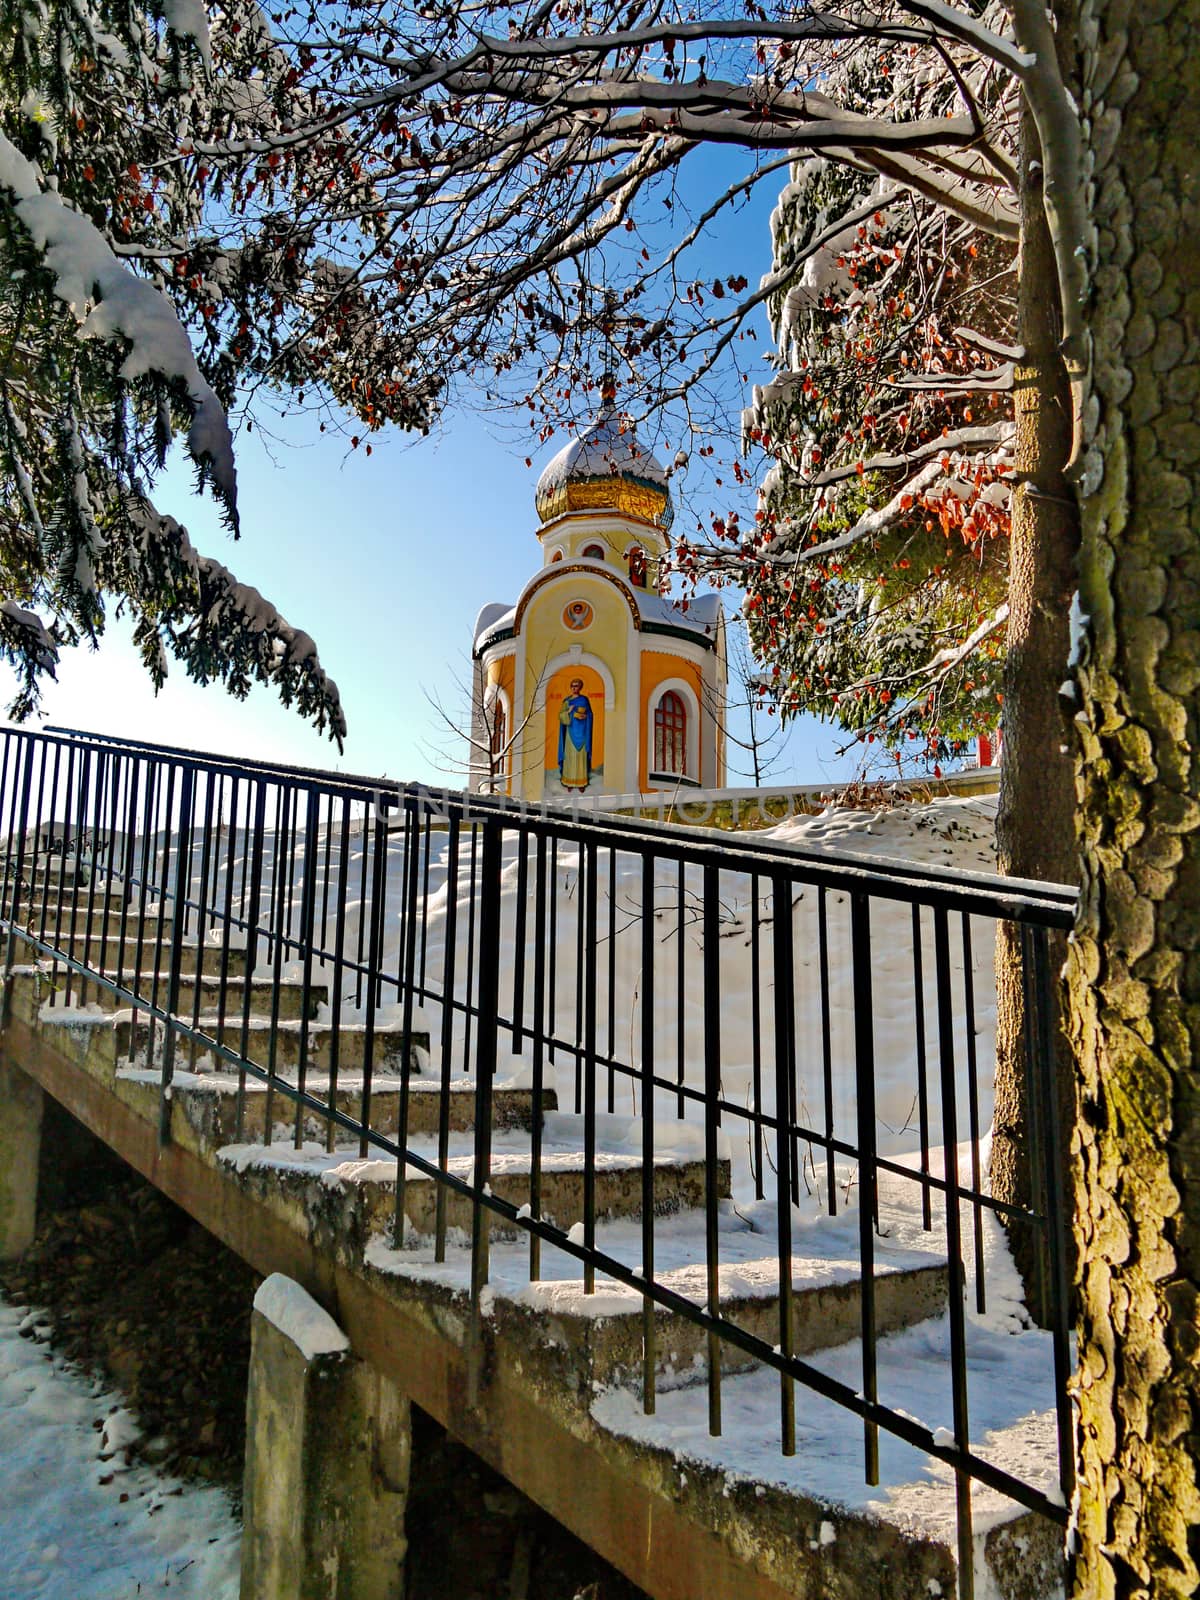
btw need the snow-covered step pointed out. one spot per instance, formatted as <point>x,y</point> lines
<point>107,951</point>
<point>105,920</point>
<point>292,1003</point>
<point>211,1100</point>
<point>365,1190</point>
<point>132,1038</point>
<point>602,1333</point>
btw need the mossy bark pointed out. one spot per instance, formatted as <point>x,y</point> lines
<point>1035,827</point>
<point>1134,967</point>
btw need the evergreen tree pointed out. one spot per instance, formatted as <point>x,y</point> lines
<point>106,289</point>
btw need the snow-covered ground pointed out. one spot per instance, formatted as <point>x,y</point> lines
<point>77,1522</point>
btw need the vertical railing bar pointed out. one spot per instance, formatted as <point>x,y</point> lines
<point>328,859</point>
<point>45,910</point>
<point>612,978</point>
<point>711,961</point>
<point>539,1052</point>
<point>14,909</point>
<point>783,960</point>
<point>362,902</point>
<point>308,912</point>
<point>339,967</point>
<point>276,945</point>
<point>374,947</point>
<point>149,811</point>
<point>9,739</point>
<point>186,793</point>
<point>485,1070</point>
<point>86,796</point>
<point>680,992</point>
<point>1035,1154</point>
<point>69,782</point>
<point>250,916</point>
<point>37,849</point>
<point>164,871</point>
<point>973,1110</point>
<point>447,1039</point>
<point>98,792</point>
<point>520,939</point>
<point>585,964</point>
<point>281,870</point>
<point>128,859</point>
<point>202,898</point>
<point>227,909</point>
<point>954,1262</point>
<point>412,830</point>
<point>37,834</point>
<point>756,1035</point>
<point>402,924</point>
<point>649,1333</point>
<point>552,985</point>
<point>826,1045</point>
<point>470,975</point>
<point>587,923</point>
<point>426,830</point>
<point>922,1066</point>
<point>864,1061</point>
<point>119,768</point>
<point>294,798</point>
<point>1056,1213</point>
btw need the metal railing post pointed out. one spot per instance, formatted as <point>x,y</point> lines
<point>485,1070</point>
<point>14,906</point>
<point>182,857</point>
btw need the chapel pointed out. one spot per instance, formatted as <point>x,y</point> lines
<point>596,681</point>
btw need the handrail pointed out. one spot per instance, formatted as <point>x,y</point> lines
<point>1013,899</point>
<point>628,946</point>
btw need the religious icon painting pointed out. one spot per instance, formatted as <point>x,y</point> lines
<point>577,615</point>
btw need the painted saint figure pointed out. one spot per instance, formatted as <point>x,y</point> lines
<point>575,738</point>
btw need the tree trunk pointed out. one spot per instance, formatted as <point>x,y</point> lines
<point>1035,825</point>
<point>1134,969</point>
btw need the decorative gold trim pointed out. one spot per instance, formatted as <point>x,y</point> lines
<point>563,569</point>
<point>639,501</point>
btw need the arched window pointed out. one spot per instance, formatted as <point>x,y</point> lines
<point>670,734</point>
<point>637,567</point>
<point>557,556</point>
<point>592,552</point>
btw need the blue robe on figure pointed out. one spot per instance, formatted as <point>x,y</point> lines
<point>575,741</point>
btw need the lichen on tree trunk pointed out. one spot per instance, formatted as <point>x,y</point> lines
<point>1134,968</point>
<point>1035,823</point>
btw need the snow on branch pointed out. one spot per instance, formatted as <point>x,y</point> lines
<point>966,439</point>
<point>109,301</point>
<point>868,525</point>
<point>946,660</point>
<point>1064,191</point>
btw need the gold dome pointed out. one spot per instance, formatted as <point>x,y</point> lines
<point>605,469</point>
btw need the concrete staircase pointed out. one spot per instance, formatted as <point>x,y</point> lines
<point>576,1345</point>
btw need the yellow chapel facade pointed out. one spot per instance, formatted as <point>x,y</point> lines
<point>596,681</point>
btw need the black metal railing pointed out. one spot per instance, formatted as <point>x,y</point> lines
<point>817,1019</point>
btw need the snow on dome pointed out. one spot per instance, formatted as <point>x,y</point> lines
<point>606,468</point>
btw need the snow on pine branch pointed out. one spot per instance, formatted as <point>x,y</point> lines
<point>868,525</point>
<point>109,301</point>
